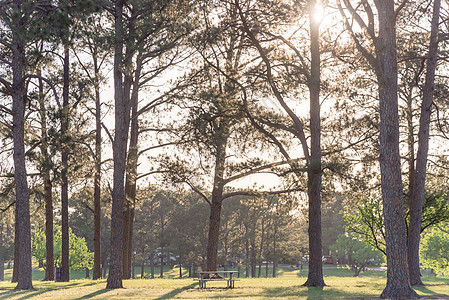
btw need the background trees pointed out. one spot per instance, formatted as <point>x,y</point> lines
<point>357,252</point>
<point>434,247</point>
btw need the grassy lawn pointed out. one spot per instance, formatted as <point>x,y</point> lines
<point>340,284</point>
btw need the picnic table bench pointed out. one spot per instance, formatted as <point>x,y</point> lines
<point>214,276</point>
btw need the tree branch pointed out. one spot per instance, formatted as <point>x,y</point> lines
<point>198,192</point>
<point>298,124</point>
<point>48,82</point>
<point>261,168</point>
<point>9,206</point>
<point>108,133</point>
<point>7,85</point>
<point>260,193</point>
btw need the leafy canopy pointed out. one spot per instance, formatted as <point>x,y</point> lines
<point>79,255</point>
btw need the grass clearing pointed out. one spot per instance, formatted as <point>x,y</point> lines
<point>340,284</point>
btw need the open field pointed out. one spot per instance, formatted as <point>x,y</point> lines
<point>340,284</point>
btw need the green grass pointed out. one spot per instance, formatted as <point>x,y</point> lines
<point>340,284</point>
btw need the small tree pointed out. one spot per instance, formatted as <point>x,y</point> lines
<point>79,255</point>
<point>434,250</point>
<point>359,253</point>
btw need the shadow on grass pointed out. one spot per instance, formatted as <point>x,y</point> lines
<point>312,293</point>
<point>39,289</point>
<point>177,291</point>
<point>344,272</point>
<point>23,294</point>
<point>427,292</point>
<point>94,294</point>
<point>340,272</point>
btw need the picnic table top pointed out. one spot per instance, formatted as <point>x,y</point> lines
<point>213,272</point>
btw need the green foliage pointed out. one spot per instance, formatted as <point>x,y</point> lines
<point>79,255</point>
<point>358,252</point>
<point>38,245</point>
<point>333,223</point>
<point>434,249</point>
<point>367,220</point>
<point>6,243</point>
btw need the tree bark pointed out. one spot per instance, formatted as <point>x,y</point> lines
<point>15,269</point>
<point>398,284</point>
<point>246,251</point>
<point>96,274</point>
<point>217,198</point>
<point>262,236</point>
<point>48,197</point>
<point>105,266</point>
<point>417,199</point>
<point>49,256</point>
<point>65,275</point>
<point>253,252</point>
<point>130,183</point>
<point>2,260</point>
<point>161,275</point>
<point>2,270</point>
<point>266,269</point>
<point>23,226</point>
<point>119,155</point>
<point>315,275</point>
<point>274,248</point>
<point>152,266</point>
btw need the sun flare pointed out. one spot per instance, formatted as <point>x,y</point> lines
<point>317,13</point>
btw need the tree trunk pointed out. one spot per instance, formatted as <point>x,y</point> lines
<point>152,266</point>
<point>216,201</point>
<point>411,147</point>
<point>2,260</point>
<point>23,226</point>
<point>131,176</point>
<point>180,270</point>
<point>48,196</point>
<point>356,270</point>
<point>127,242</point>
<point>2,270</point>
<point>15,270</point>
<point>398,284</point>
<point>105,266</point>
<point>65,275</point>
<point>274,248</point>
<point>266,269</point>
<point>253,251</point>
<point>142,270</point>
<point>125,250</point>
<point>226,238</point>
<point>119,156</point>
<point>97,179</point>
<point>246,252</point>
<point>315,275</point>
<point>50,263</point>
<point>417,200</point>
<point>161,275</point>
<point>262,235</point>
